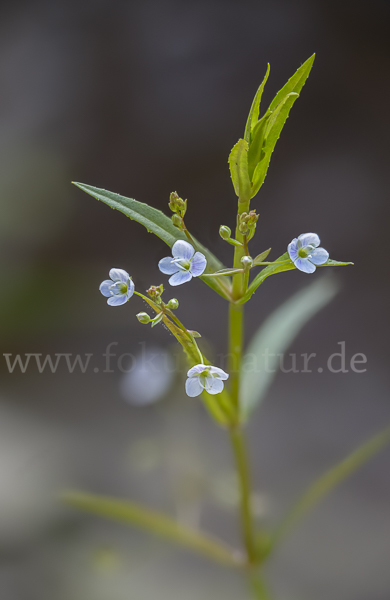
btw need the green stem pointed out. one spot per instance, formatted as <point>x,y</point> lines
<point>240,455</point>
<point>236,318</point>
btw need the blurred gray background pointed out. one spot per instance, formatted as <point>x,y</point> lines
<point>143,98</point>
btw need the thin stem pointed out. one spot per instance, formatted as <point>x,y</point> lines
<point>236,317</point>
<point>240,455</point>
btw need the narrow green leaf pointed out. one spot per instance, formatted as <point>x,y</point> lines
<point>261,257</point>
<point>238,163</point>
<point>154,522</point>
<point>255,108</point>
<point>266,272</point>
<point>329,481</point>
<point>273,127</point>
<point>256,148</point>
<point>295,83</point>
<point>264,138</point>
<point>274,337</point>
<point>156,222</point>
<point>335,263</point>
<point>286,265</point>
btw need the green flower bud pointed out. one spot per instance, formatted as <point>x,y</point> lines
<point>173,304</point>
<point>144,318</point>
<point>225,232</point>
<point>177,221</point>
<point>177,204</point>
<point>247,262</point>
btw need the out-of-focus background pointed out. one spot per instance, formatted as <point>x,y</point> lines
<point>143,98</point>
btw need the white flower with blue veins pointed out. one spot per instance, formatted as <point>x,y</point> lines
<point>205,378</point>
<point>119,289</point>
<point>305,253</point>
<point>185,264</point>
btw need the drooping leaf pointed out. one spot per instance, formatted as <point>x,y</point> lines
<point>295,83</point>
<point>253,116</point>
<point>154,522</point>
<point>274,337</point>
<point>325,484</point>
<point>156,222</point>
<point>221,407</point>
<point>238,163</point>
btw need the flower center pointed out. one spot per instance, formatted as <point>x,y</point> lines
<point>303,253</point>
<point>123,288</point>
<point>185,264</point>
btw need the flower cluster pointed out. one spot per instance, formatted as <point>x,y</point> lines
<point>185,263</point>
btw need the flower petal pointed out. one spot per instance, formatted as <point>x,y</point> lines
<point>180,277</point>
<point>167,266</point>
<point>214,385</point>
<point>106,288</point>
<point>130,289</point>
<point>182,249</point>
<point>319,256</point>
<point>219,373</point>
<point>292,249</point>
<point>193,387</point>
<point>304,264</point>
<point>117,300</point>
<point>198,264</point>
<point>119,275</point>
<point>308,239</point>
<point>194,371</point>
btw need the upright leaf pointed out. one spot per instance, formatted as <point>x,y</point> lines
<point>265,133</point>
<point>295,83</point>
<point>274,337</point>
<point>253,116</point>
<point>156,222</point>
<point>238,163</point>
<point>273,128</point>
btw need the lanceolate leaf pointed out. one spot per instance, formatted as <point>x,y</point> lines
<point>154,522</point>
<point>156,222</point>
<point>295,83</point>
<point>286,265</point>
<point>262,135</point>
<point>273,127</point>
<point>238,163</point>
<point>325,484</point>
<point>274,337</point>
<point>255,109</point>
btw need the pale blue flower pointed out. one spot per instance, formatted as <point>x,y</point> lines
<point>185,264</point>
<point>118,289</point>
<point>205,378</point>
<point>305,254</point>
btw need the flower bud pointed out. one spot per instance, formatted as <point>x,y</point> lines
<point>155,292</point>
<point>177,221</point>
<point>247,262</point>
<point>225,232</point>
<point>173,304</point>
<point>143,318</point>
<point>177,204</point>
